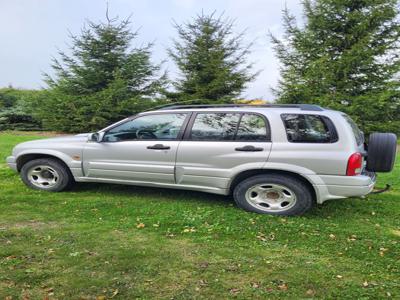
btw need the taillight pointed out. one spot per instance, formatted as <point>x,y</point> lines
<point>354,164</point>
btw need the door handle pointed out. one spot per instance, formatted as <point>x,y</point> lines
<point>249,148</point>
<point>158,147</point>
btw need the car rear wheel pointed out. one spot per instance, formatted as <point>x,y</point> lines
<point>273,194</point>
<point>46,174</point>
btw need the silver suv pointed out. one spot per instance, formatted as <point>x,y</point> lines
<point>274,159</point>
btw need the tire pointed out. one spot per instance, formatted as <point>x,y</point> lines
<point>381,152</point>
<point>273,190</point>
<point>37,172</point>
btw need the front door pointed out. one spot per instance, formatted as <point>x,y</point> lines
<point>217,146</point>
<point>142,149</point>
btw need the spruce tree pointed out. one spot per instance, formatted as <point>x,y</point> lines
<point>212,60</point>
<point>345,57</point>
<point>101,80</point>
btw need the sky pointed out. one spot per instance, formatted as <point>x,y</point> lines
<point>32,31</point>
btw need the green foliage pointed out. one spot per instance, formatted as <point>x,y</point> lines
<point>345,57</point>
<point>101,81</point>
<point>14,110</point>
<point>211,60</point>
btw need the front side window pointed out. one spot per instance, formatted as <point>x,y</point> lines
<point>150,127</point>
<point>302,128</point>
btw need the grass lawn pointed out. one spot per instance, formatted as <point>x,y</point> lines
<point>124,242</point>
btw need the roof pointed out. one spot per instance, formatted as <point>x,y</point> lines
<point>305,107</point>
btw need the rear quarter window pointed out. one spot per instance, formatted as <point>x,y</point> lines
<point>359,136</point>
<point>303,128</point>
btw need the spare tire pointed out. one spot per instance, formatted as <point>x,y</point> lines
<point>381,152</point>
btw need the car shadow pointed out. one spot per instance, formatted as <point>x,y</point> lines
<point>153,192</point>
<point>319,211</point>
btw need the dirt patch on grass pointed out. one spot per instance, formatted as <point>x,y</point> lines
<point>32,224</point>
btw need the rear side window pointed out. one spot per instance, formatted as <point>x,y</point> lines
<point>229,127</point>
<point>357,132</point>
<point>302,128</point>
<point>252,127</point>
<point>214,127</point>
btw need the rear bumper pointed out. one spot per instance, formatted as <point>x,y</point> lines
<point>12,163</point>
<point>335,187</point>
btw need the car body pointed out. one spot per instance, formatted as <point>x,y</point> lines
<point>214,148</point>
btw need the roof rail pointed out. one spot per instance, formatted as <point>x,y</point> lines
<point>310,107</point>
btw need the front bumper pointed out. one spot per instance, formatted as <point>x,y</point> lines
<point>12,162</point>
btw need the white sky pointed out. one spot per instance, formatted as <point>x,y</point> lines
<point>32,30</point>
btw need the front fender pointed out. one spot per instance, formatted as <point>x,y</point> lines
<point>74,163</point>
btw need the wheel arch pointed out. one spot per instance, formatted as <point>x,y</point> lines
<point>249,173</point>
<point>24,158</point>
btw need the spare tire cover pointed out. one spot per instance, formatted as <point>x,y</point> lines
<point>381,152</point>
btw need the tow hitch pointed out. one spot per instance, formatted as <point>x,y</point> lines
<point>380,191</point>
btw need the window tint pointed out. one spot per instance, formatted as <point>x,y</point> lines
<point>214,126</point>
<point>357,132</point>
<point>252,127</point>
<point>302,128</point>
<point>151,127</point>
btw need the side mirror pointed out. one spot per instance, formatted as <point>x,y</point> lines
<point>96,137</point>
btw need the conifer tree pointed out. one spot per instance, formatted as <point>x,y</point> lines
<point>345,57</point>
<point>212,60</point>
<point>101,80</point>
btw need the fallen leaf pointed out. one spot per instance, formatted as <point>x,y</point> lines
<point>202,282</point>
<point>352,238</point>
<point>283,287</point>
<point>310,292</point>
<point>234,291</point>
<point>261,237</point>
<point>115,293</point>
<point>396,232</point>
<point>203,265</point>
<point>140,225</point>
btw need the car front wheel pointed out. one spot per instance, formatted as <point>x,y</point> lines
<point>274,194</point>
<point>46,174</point>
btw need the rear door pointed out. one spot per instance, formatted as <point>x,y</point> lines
<point>218,145</point>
